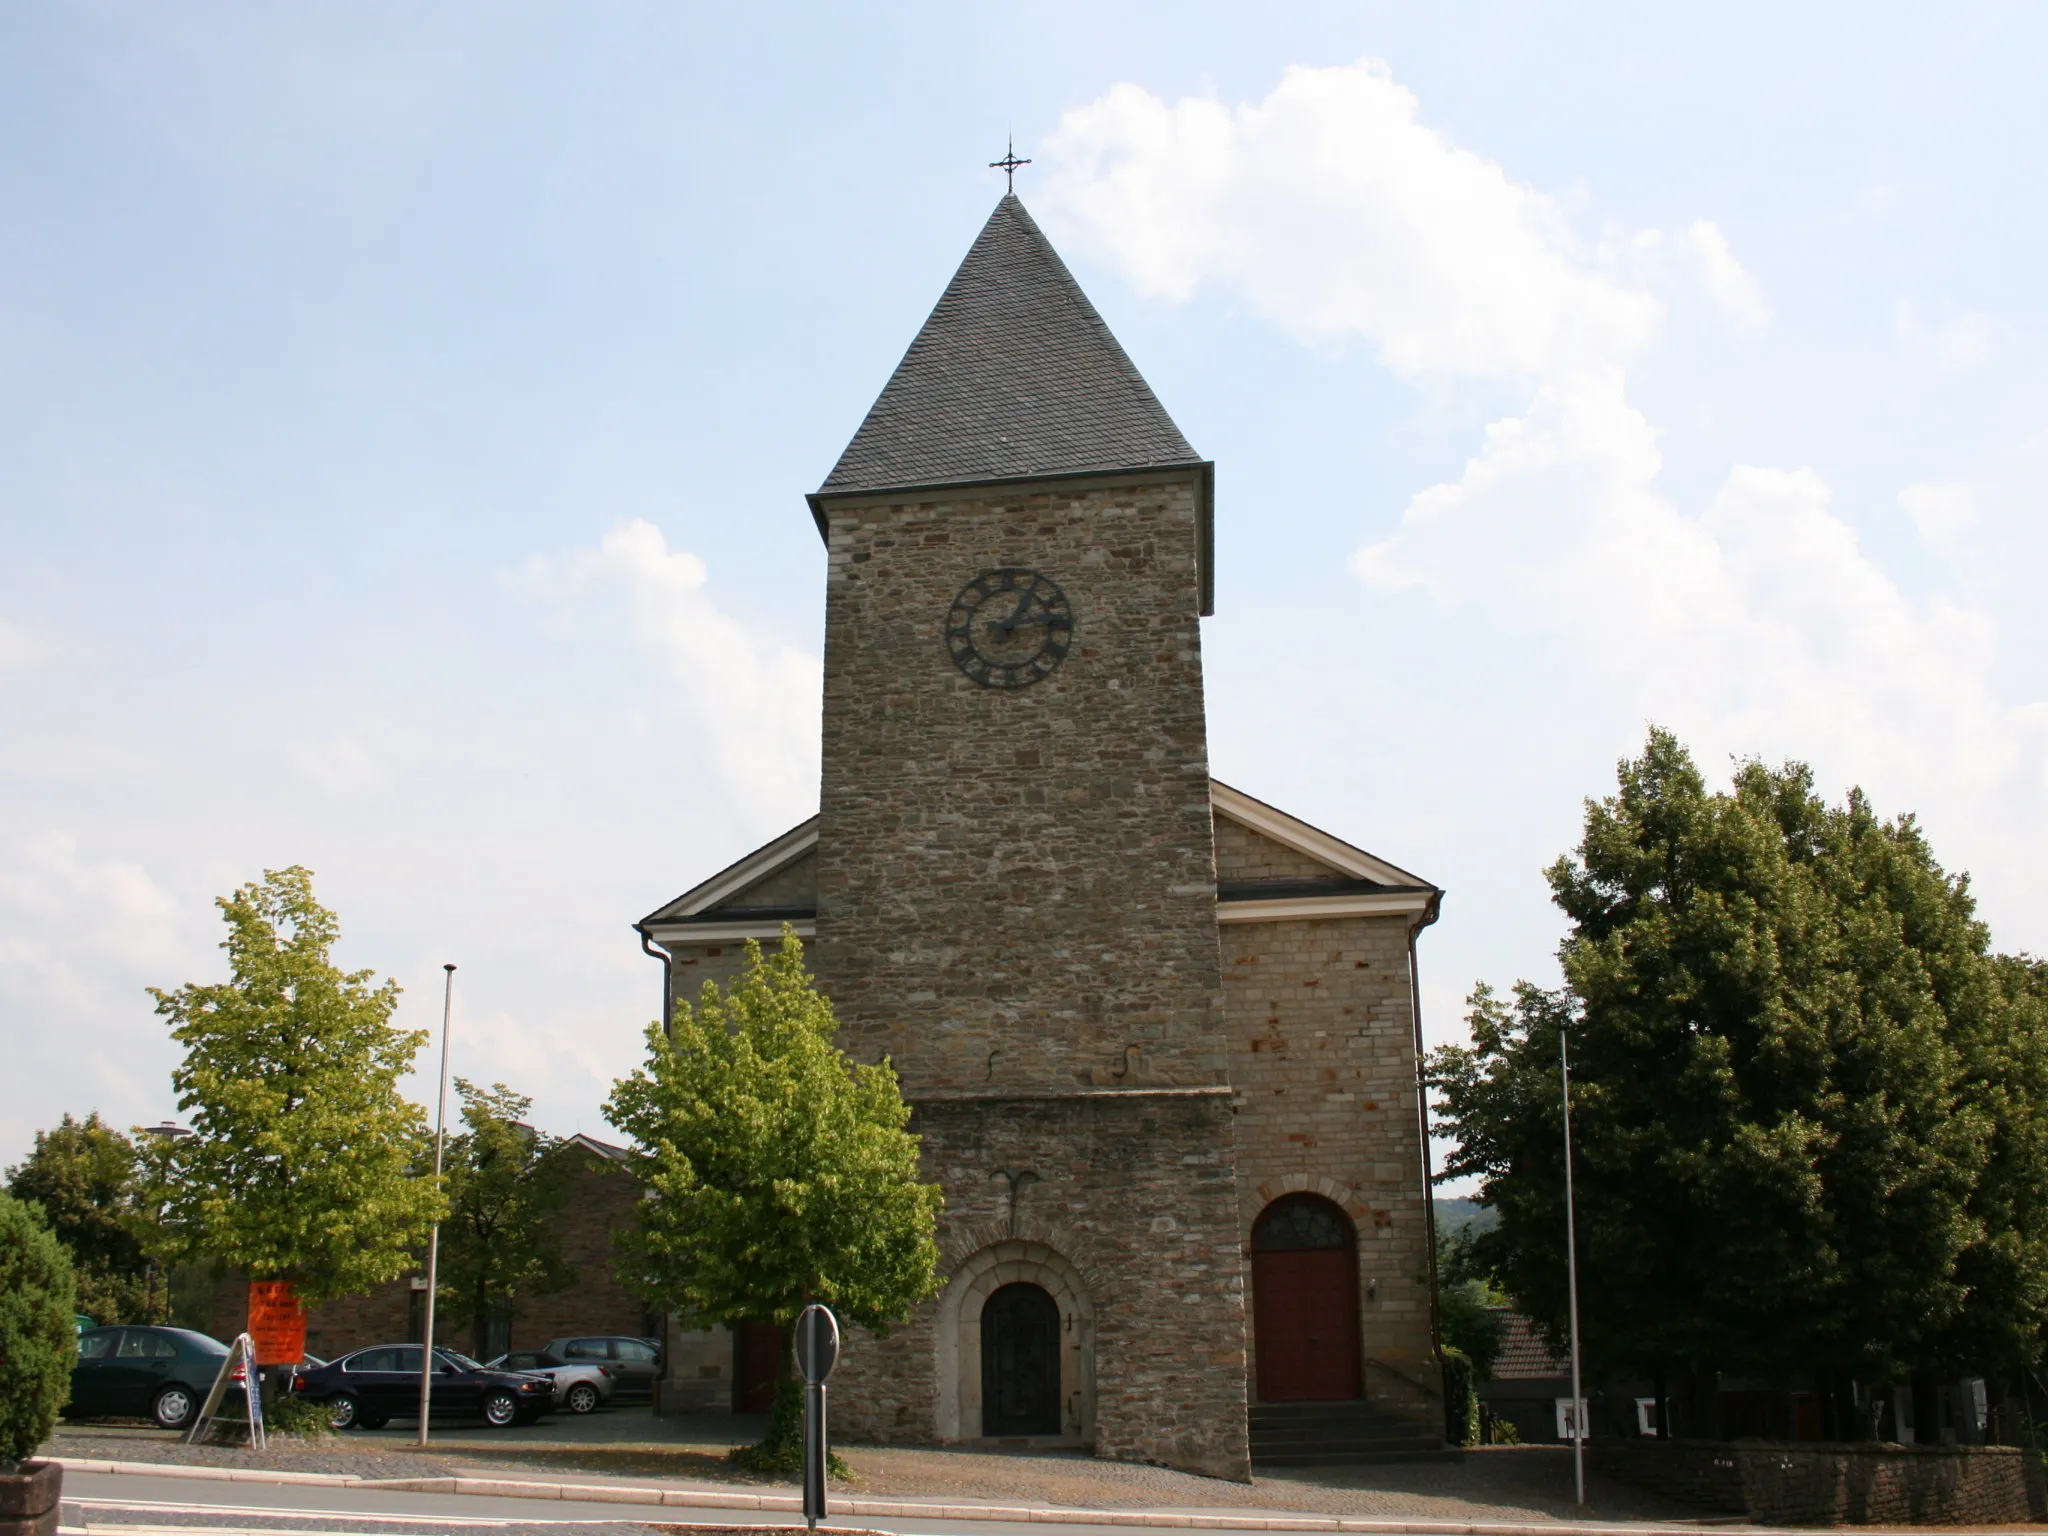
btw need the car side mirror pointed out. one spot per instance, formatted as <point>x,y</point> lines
<point>447,1369</point>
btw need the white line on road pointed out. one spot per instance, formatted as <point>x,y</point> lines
<point>156,1507</point>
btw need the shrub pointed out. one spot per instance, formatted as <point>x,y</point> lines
<point>38,1340</point>
<point>1461,1399</point>
<point>289,1414</point>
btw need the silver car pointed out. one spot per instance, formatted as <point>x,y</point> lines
<point>580,1386</point>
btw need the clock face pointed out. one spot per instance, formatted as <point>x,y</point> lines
<point>1009,628</point>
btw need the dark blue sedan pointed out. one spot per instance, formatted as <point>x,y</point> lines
<point>131,1373</point>
<point>368,1388</point>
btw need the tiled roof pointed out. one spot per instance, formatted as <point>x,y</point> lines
<point>1523,1354</point>
<point>1013,376</point>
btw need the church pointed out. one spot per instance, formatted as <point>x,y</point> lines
<point>1159,1037</point>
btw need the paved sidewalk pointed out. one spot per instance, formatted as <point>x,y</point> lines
<point>1511,1485</point>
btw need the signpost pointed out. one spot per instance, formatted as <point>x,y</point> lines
<point>817,1351</point>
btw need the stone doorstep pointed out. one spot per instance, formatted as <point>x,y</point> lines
<point>694,1498</point>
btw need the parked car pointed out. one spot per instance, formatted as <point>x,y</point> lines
<point>368,1388</point>
<point>580,1385</point>
<point>635,1362</point>
<point>158,1373</point>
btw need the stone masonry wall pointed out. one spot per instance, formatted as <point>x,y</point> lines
<point>1136,1190</point>
<point>1016,902</point>
<point>1016,886</point>
<point>1323,1061</point>
<point>1808,1484</point>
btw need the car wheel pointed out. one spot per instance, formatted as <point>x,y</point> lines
<point>342,1412</point>
<point>173,1407</point>
<point>500,1408</point>
<point>582,1398</point>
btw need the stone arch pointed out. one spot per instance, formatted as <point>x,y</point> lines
<point>959,1335</point>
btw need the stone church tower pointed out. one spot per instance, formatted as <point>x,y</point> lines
<point>1024,887</point>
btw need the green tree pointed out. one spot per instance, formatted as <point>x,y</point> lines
<point>507,1187</point>
<point>1806,1100</point>
<point>304,1160</point>
<point>779,1171</point>
<point>1467,1299</point>
<point>81,1177</point>
<point>38,1341</point>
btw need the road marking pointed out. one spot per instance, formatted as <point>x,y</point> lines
<point>268,1511</point>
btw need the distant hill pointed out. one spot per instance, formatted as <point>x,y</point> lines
<point>1454,1213</point>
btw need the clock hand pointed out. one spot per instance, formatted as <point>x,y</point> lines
<point>1016,618</point>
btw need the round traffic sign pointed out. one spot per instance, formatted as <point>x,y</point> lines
<point>817,1343</point>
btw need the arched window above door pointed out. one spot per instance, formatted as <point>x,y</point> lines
<point>1295,1222</point>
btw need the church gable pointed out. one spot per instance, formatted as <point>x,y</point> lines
<point>776,883</point>
<point>790,889</point>
<point>1242,855</point>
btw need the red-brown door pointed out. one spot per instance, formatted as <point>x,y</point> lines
<point>757,1366</point>
<point>1305,1303</point>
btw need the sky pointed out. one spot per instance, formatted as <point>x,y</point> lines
<point>406,411</point>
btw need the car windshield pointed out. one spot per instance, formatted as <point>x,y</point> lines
<point>460,1362</point>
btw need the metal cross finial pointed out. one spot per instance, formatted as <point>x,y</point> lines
<point>1009,163</point>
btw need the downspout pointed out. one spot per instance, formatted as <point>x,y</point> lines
<point>668,979</point>
<point>1436,1335</point>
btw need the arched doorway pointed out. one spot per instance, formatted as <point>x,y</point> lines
<point>1020,1361</point>
<point>1305,1302</point>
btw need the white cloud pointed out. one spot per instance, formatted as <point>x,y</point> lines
<point>1758,624</point>
<point>756,700</point>
<point>1943,512</point>
<point>1334,212</point>
<point>80,937</point>
<point>1954,345</point>
<point>1726,281</point>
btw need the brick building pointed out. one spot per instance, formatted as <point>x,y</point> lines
<point>1159,1037</point>
<point>601,1201</point>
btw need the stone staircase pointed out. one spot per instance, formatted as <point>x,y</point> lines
<point>1326,1434</point>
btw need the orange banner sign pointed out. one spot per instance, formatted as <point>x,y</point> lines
<point>276,1322</point>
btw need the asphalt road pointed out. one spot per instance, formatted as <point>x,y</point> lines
<point>126,1505</point>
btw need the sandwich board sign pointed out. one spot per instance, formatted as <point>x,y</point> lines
<point>239,1369</point>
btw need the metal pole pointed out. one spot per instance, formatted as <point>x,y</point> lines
<point>434,1237</point>
<point>1571,1259</point>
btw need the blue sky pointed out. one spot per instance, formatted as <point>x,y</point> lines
<point>405,412</point>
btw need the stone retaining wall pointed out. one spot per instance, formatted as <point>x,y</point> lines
<point>1837,1484</point>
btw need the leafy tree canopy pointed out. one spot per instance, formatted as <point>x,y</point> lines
<point>780,1172</point>
<point>1467,1303</point>
<point>507,1186</point>
<point>81,1178</point>
<point>303,1162</point>
<point>1808,1103</point>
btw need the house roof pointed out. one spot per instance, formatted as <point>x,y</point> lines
<point>1523,1354</point>
<point>1013,377</point>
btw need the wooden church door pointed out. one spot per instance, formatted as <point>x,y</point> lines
<point>1020,1362</point>
<point>1305,1302</point>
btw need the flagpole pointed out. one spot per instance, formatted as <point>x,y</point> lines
<point>434,1236</point>
<point>1571,1258</point>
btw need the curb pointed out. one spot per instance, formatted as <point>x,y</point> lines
<point>766,1503</point>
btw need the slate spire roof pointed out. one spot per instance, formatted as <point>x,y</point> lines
<point>1014,376</point>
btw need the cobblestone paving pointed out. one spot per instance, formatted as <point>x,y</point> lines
<point>1520,1483</point>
